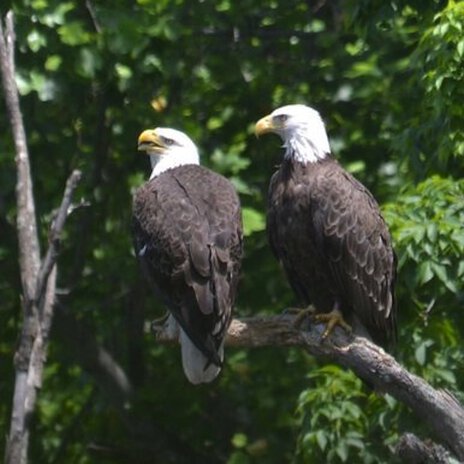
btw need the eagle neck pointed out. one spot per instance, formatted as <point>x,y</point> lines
<point>160,164</point>
<point>305,149</point>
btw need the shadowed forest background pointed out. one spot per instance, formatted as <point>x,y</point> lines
<point>387,78</point>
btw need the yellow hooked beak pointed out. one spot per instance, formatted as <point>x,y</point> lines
<point>150,142</point>
<point>264,126</point>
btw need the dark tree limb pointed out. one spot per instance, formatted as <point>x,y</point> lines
<point>438,408</point>
<point>93,358</point>
<point>147,441</point>
<point>38,279</point>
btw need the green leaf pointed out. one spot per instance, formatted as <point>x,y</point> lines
<point>442,273</point>
<point>53,63</point>
<point>74,33</point>
<point>253,221</point>
<point>89,62</point>
<point>432,231</point>
<point>321,437</point>
<point>421,351</point>
<point>239,457</point>
<point>342,450</point>
<point>239,440</point>
<point>445,375</point>
<point>424,273</point>
<point>460,48</point>
<point>420,354</point>
<point>36,40</point>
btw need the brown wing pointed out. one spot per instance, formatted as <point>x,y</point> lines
<point>326,229</point>
<point>188,237</point>
<point>284,234</point>
<point>356,242</point>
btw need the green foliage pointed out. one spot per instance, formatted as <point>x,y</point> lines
<point>388,80</point>
<point>441,56</point>
<point>426,222</point>
<point>338,423</point>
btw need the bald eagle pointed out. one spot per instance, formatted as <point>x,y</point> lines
<point>187,233</point>
<point>326,229</point>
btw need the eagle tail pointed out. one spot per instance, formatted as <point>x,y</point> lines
<point>197,367</point>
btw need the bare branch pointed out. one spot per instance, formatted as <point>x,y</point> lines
<point>94,358</point>
<point>55,233</point>
<point>29,250</point>
<point>10,37</point>
<point>93,16</point>
<point>438,408</point>
<point>38,288</point>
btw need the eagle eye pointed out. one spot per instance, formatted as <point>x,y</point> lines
<point>281,118</point>
<point>168,142</point>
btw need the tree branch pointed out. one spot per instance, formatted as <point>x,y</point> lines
<point>95,359</point>
<point>414,451</point>
<point>29,249</point>
<point>54,235</point>
<point>38,282</point>
<point>438,408</point>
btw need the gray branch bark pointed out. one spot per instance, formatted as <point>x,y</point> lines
<point>412,450</point>
<point>438,408</point>
<point>29,250</point>
<point>38,279</point>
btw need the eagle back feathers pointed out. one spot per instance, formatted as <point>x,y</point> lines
<point>188,237</point>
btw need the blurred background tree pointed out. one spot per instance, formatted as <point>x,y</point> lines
<point>387,78</point>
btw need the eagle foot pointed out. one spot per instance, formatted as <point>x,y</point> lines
<point>332,318</point>
<point>301,314</point>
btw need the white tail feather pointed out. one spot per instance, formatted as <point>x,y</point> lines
<point>194,361</point>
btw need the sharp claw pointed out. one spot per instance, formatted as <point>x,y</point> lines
<point>333,318</point>
<point>300,314</point>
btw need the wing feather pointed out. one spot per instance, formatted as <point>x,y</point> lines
<point>327,231</point>
<point>360,254</point>
<point>188,237</point>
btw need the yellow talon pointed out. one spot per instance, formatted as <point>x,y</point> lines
<point>300,314</point>
<point>333,318</point>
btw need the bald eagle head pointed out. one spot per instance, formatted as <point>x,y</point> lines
<point>167,148</point>
<point>301,129</point>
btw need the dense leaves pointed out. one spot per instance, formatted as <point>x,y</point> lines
<point>388,80</point>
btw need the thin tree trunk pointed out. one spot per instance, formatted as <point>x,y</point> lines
<point>38,279</point>
<point>29,250</point>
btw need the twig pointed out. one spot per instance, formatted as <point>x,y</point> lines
<point>438,408</point>
<point>93,16</point>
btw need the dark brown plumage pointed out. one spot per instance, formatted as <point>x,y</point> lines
<point>326,229</point>
<point>188,237</point>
